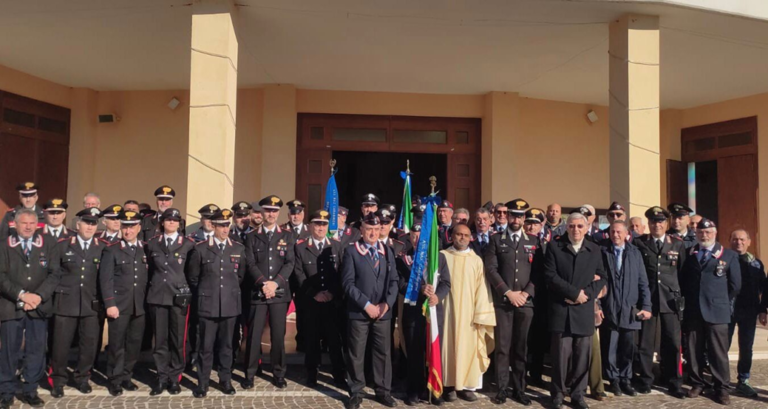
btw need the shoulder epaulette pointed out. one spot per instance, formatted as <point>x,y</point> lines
<point>398,241</point>
<point>301,241</point>
<point>197,243</point>
<point>156,236</point>
<point>675,237</point>
<point>62,239</point>
<point>111,244</point>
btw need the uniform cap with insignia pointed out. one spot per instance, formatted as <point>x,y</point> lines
<point>343,211</point>
<point>255,206</point>
<point>165,192</point>
<point>242,208</point>
<point>112,211</point>
<point>385,216</point>
<point>222,217</point>
<point>657,214</point>
<point>27,189</point>
<point>129,217</point>
<point>271,202</point>
<point>679,209</point>
<point>370,198</point>
<point>415,200</point>
<point>208,210</point>
<point>320,216</point>
<point>90,215</point>
<point>705,223</point>
<point>391,208</point>
<point>616,207</point>
<point>534,215</point>
<point>55,205</point>
<point>171,214</point>
<point>489,206</point>
<point>583,210</point>
<point>295,206</point>
<point>445,205</point>
<point>517,206</point>
<point>371,219</point>
<point>416,227</point>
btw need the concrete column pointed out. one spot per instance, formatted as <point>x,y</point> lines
<point>83,145</point>
<point>634,112</point>
<point>212,105</point>
<point>501,123</point>
<point>278,146</point>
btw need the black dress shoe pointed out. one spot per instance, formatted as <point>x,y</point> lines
<point>615,389</point>
<point>536,381</point>
<point>557,403</point>
<point>643,389</point>
<point>412,399</point>
<point>722,397</point>
<point>57,392</point>
<point>6,403</point>
<point>340,381</point>
<point>468,396</point>
<point>353,402</point>
<point>436,401</point>
<point>259,372</point>
<point>386,400</point>
<point>228,389</point>
<point>598,396</point>
<point>200,392</point>
<point>247,384</point>
<point>31,400</point>
<point>500,397</point>
<point>312,379</point>
<point>281,383</point>
<point>174,388</point>
<point>695,392</point>
<point>451,396</point>
<point>158,389</point>
<point>129,386</point>
<point>579,403</point>
<point>521,398</point>
<point>85,388</point>
<point>115,390</point>
<point>627,388</point>
<point>677,392</point>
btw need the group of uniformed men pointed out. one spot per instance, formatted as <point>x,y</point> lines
<point>553,281</point>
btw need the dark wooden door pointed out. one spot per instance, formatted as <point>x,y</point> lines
<point>34,147</point>
<point>463,191</point>
<point>737,198</point>
<point>677,181</point>
<point>312,172</point>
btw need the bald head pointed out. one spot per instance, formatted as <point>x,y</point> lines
<point>554,212</point>
<point>461,236</point>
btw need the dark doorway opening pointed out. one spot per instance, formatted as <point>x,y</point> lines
<point>360,173</point>
<point>706,190</point>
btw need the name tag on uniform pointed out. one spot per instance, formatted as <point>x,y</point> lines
<point>720,270</point>
<point>43,261</point>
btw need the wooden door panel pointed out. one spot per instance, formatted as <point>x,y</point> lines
<point>313,171</point>
<point>52,167</point>
<point>677,181</point>
<point>17,165</point>
<point>738,198</point>
<point>463,181</point>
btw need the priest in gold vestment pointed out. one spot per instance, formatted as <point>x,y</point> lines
<point>467,338</point>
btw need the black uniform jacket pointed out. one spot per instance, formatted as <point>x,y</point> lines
<point>215,278</point>
<point>77,293</point>
<point>269,260</point>
<point>35,274</point>
<point>512,269</point>
<point>167,268</point>
<point>123,277</point>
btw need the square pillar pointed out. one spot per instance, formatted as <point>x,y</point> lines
<point>634,112</point>
<point>278,142</point>
<point>501,123</point>
<point>212,105</point>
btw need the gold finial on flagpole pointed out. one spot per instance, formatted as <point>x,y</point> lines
<point>433,183</point>
<point>333,164</point>
<point>408,166</point>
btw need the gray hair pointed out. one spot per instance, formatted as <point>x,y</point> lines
<point>619,222</point>
<point>462,210</point>
<point>631,219</point>
<point>740,230</point>
<point>22,212</point>
<point>482,210</point>
<point>574,216</point>
<point>91,194</point>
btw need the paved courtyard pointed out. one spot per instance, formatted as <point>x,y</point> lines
<point>327,396</point>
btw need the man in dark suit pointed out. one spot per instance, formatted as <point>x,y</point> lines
<point>206,228</point>
<point>482,235</point>
<point>343,231</point>
<point>169,299</point>
<point>216,269</point>
<point>151,225</point>
<point>370,204</point>
<point>241,222</point>
<point>509,262</point>
<point>317,273</point>
<point>574,273</point>
<point>55,214</point>
<point>500,218</point>
<point>28,265</point>
<point>295,222</point>
<point>538,336</point>
<point>444,222</point>
<point>680,225</point>
<point>663,256</point>
<point>626,305</point>
<point>76,304</point>
<point>370,283</point>
<point>123,278</point>
<point>111,232</point>
<point>710,281</point>
<point>27,200</point>
<point>271,255</point>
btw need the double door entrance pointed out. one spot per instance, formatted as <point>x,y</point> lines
<point>370,152</point>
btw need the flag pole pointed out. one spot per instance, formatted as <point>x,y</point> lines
<point>432,184</point>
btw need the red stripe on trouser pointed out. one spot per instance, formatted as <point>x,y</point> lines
<point>680,360</point>
<point>184,344</point>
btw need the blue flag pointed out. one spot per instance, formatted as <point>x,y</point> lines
<point>332,203</point>
<point>420,259</point>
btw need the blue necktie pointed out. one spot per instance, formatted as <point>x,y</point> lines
<point>374,254</point>
<point>617,252</point>
<point>704,256</point>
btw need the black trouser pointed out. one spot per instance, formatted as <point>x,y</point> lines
<point>320,322</point>
<point>215,332</point>
<point>511,335</point>
<point>570,351</point>
<point>415,337</point>
<point>87,329</point>
<point>671,362</point>
<point>125,335</point>
<point>170,324</point>
<point>538,341</point>
<point>192,345</point>
<point>712,339</point>
<point>257,320</point>
<point>101,316</point>
<point>239,333</point>
<point>357,340</point>
<point>617,347</point>
<point>34,333</point>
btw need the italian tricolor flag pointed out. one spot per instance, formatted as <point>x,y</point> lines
<point>434,364</point>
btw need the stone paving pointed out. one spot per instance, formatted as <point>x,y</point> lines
<point>264,395</point>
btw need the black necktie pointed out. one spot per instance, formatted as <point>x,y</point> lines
<point>55,234</point>
<point>269,236</point>
<point>320,246</point>
<point>133,247</point>
<point>85,246</point>
<point>27,247</point>
<point>514,240</point>
<point>658,246</point>
<point>168,242</point>
<point>298,231</point>
<point>221,246</point>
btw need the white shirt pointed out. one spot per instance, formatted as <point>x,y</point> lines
<point>317,242</point>
<point>82,243</point>
<point>173,237</point>
<point>55,231</point>
<point>267,230</point>
<point>518,233</point>
<point>577,246</point>
<point>218,242</point>
<point>134,243</point>
<point>661,239</point>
